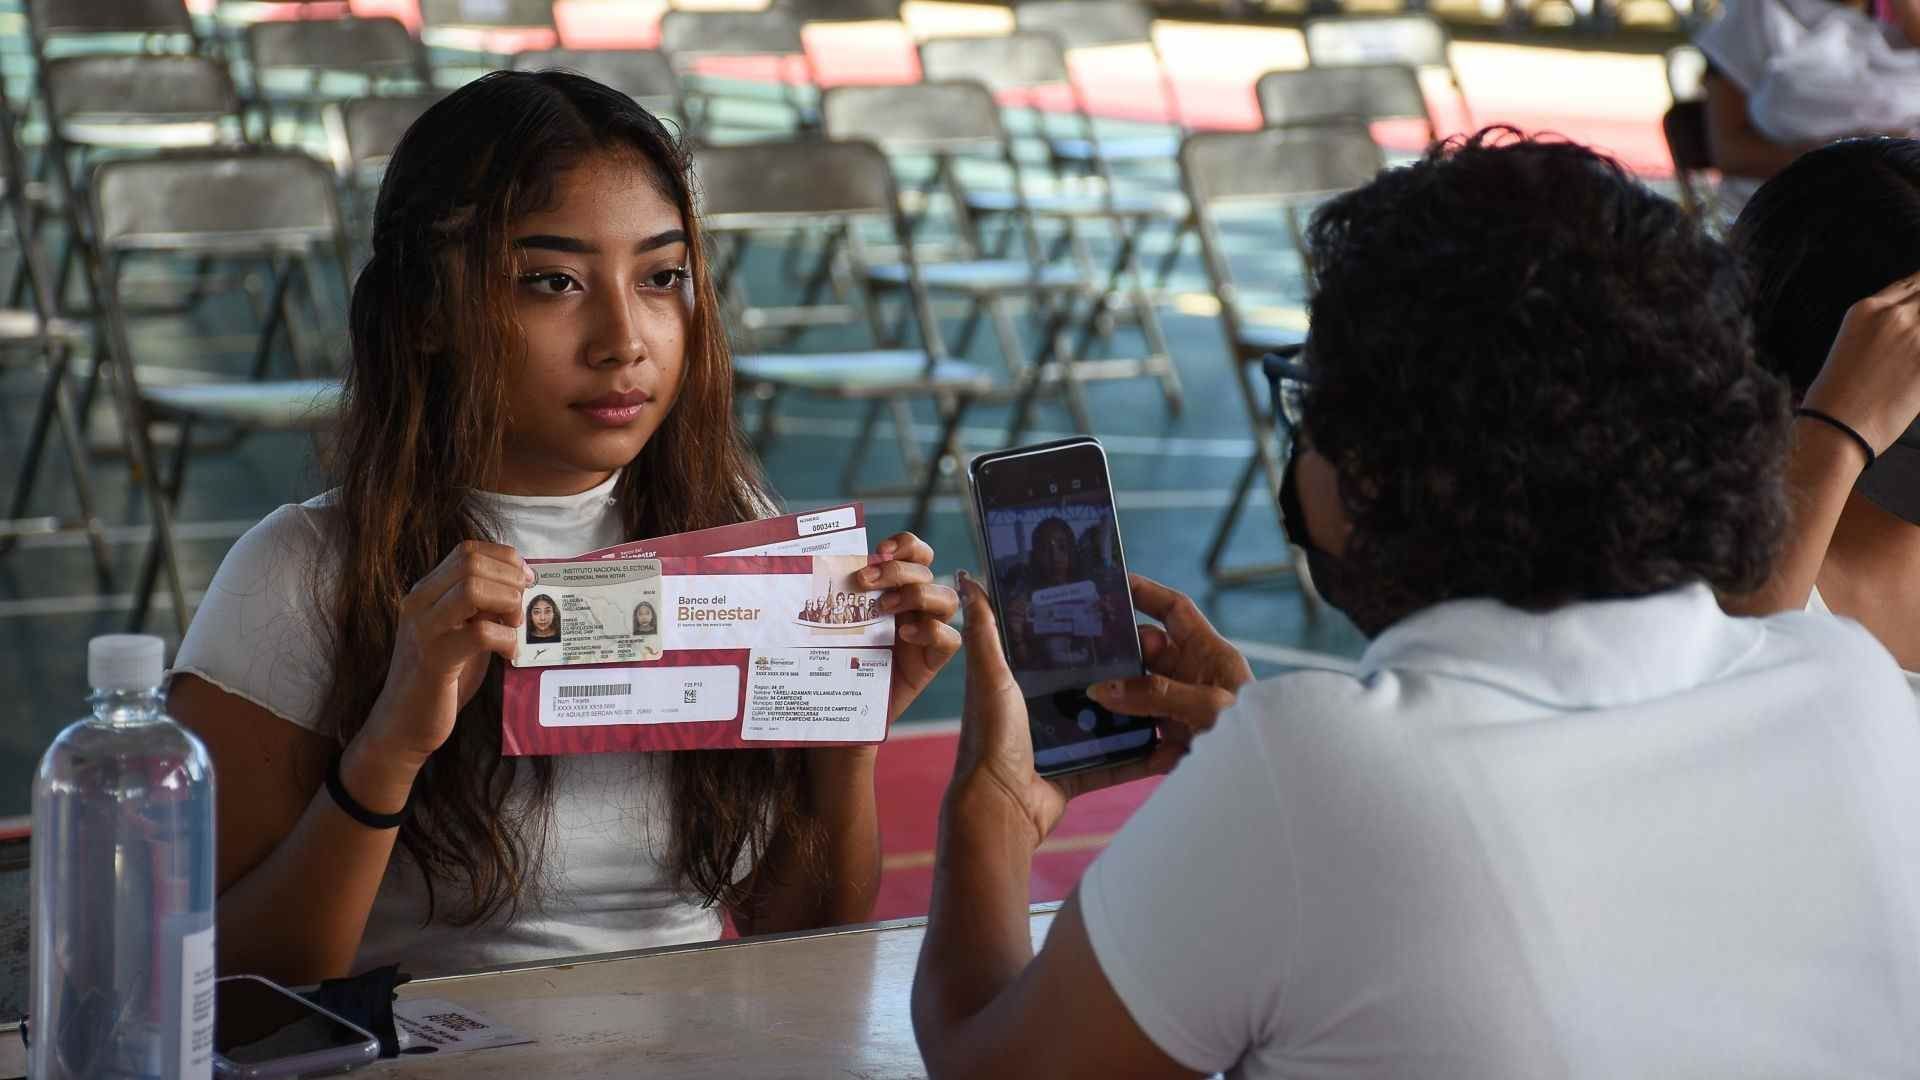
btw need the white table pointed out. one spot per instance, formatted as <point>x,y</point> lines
<point>827,1004</point>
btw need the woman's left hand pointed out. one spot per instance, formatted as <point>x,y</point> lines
<point>923,642</point>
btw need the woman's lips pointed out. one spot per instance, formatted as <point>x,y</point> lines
<point>614,410</point>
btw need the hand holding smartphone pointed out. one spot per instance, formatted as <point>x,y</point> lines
<point>1058,578</point>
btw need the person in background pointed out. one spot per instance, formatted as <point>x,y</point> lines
<point>1567,817</point>
<point>539,369</point>
<point>1833,246</point>
<point>1786,76</point>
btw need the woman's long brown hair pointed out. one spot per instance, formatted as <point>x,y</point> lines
<point>434,338</point>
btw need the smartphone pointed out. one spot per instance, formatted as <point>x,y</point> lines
<point>261,1029</point>
<point>1045,521</point>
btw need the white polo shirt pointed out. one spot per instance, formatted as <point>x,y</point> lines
<point>1629,838</point>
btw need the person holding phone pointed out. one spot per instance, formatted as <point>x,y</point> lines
<point>1566,817</point>
<point>538,369</point>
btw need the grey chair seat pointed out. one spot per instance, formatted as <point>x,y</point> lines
<point>1082,204</point>
<point>135,134</point>
<point>1131,148</point>
<point>18,325</point>
<point>982,276</point>
<point>289,405</point>
<point>871,373</point>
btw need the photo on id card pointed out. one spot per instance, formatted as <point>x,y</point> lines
<point>592,613</point>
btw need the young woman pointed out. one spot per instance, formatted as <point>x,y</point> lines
<point>1833,246</point>
<point>645,621</point>
<point>543,619</point>
<point>538,369</point>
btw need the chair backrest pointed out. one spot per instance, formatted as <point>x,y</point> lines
<point>928,117</point>
<point>1686,73</point>
<point>1277,163</point>
<point>686,35</point>
<point>59,18</point>
<point>830,11</point>
<point>364,132</point>
<point>759,184</point>
<point>1021,60</point>
<point>1086,24</point>
<point>487,13</point>
<point>209,200</point>
<point>1363,93</point>
<point>374,46</point>
<point>128,88</point>
<point>1343,40</point>
<point>642,74</point>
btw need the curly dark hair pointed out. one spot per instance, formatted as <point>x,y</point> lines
<point>1535,381</point>
<point>1836,226</point>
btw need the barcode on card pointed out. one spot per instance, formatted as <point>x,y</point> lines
<point>596,690</point>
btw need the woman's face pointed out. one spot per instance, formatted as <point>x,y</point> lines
<point>1059,553</point>
<point>603,297</point>
<point>542,616</point>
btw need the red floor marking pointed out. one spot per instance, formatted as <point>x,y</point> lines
<point>912,777</point>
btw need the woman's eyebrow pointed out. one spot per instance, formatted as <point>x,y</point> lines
<point>575,246</point>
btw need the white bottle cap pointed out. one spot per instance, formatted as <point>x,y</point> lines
<point>125,662</point>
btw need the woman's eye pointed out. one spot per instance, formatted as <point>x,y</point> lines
<point>550,284</point>
<point>667,279</point>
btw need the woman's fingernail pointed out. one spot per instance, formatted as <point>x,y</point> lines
<point>962,581</point>
<point>908,632</point>
<point>1103,689</point>
<point>887,549</point>
<point>870,575</point>
<point>531,575</point>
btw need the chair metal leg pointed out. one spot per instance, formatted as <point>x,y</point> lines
<point>850,475</point>
<point>82,475</point>
<point>36,443</point>
<point>165,496</point>
<point>902,415</point>
<point>946,458</point>
<point>275,318</point>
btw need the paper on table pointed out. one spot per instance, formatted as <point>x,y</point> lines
<point>434,1026</point>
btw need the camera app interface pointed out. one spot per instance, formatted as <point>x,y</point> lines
<point>1065,609</point>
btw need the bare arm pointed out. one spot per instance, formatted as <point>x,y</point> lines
<point>297,876</point>
<point>983,1003</point>
<point>1871,383</point>
<point>1739,148</point>
<point>841,797</point>
<point>1906,15</point>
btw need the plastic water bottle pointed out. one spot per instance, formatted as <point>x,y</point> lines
<point>122,923</point>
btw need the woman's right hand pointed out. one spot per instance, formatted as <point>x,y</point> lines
<point>1871,381</point>
<point>452,624</point>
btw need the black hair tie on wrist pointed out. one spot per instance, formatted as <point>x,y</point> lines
<point>337,790</point>
<point>1842,428</point>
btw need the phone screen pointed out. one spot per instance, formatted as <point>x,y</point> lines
<point>1066,613</point>
<point>256,1022</point>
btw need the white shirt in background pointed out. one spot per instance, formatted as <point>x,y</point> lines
<point>257,635</point>
<point>1623,839</point>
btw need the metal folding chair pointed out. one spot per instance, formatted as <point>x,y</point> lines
<point>1274,166</point>
<point>490,31</point>
<point>812,186</point>
<point>1021,69</point>
<point>1418,41</point>
<point>69,27</point>
<point>953,121</point>
<point>692,39</point>
<point>1686,73</point>
<point>266,204</point>
<point>1343,95</point>
<point>361,136</point>
<point>644,75</point>
<point>1103,24</point>
<point>33,335</point>
<point>306,64</point>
